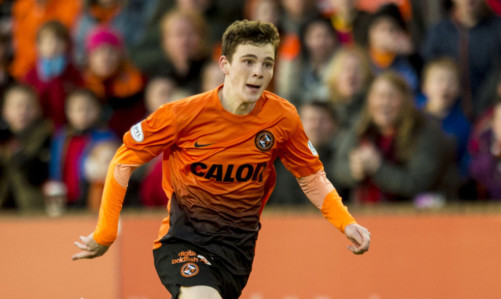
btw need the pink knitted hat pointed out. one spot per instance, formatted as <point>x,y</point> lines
<point>102,35</point>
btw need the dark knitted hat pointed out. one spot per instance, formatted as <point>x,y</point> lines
<point>389,11</point>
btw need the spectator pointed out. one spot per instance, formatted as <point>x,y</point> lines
<point>393,154</point>
<point>184,51</point>
<point>72,144</point>
<point>212,76</point>
<point>303,77</point>
<point>121,15</point>
<point>24,154</point>
<point>347,80</point>
<point>321,128</point>
<point>5,77</point>
<point>350,22</point>
<point>28,16</point>
<point>296,13</point>
<point>488,96</point>
<point>486,158</point>
<point>441,102</point>
<point>458,36</point>
<point>54,75</point>
<point>218,14</point>
<point>390,46</point>
<point>263,10</point>
<point>95,167</point>
<point>113,78</point>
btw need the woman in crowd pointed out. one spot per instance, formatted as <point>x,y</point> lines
<point>347,80</point>
<point>25,151</point>
<point>393,153</point>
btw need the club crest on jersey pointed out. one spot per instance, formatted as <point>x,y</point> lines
<point>189,270</point>
<point>136,131</point>
<point>264,141</point>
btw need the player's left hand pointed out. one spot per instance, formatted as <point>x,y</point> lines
<point>360,237</point>
<point>90,248</point>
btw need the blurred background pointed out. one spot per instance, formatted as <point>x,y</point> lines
<point>401,99</point>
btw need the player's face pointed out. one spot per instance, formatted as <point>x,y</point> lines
<point>249,72</point>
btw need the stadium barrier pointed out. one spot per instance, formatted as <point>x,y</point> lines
<point>452,254</point>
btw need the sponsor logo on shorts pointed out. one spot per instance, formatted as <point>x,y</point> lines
<point>186,256</point>
<point>136,131</point>
<point>264,141</point>
<point>189,270</point>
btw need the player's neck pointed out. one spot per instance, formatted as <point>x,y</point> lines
<point>232,104</point>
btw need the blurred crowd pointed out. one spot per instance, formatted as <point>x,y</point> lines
<point>401,98</point>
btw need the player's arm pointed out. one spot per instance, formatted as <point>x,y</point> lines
<point>324,196</point>
<point>142,143</point>
<point>115,187</point>
<point>301,159</point>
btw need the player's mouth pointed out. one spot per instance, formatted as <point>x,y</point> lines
<point>253,87</point>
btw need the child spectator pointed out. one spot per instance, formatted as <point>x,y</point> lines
<point>303,77</point>
<point>73,142</point>
<point>121,15</point>
<point>28,16</point>
<point>24,154</point>
<point>441,89</point>
<point>116,82</point>
<point>469,35</point>
<point>54,75</point>
<point>393,153</point>
<point>485,165</point>
<point>95,167</point>
<point>390,46</point>
<point>347,80</point>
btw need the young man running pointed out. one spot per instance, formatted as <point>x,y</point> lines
<point>218,151</point>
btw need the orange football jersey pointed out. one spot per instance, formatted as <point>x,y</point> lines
<point>218,168</point>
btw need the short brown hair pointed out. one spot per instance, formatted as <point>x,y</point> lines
<point>20,87</point>
<point>249,32</point>
<point>57,28</point>
<point>442,63</point>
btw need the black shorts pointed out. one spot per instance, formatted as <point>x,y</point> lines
<point>184,264</point>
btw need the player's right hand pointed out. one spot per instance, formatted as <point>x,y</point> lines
<point>359,236</point>
<point>90,248</point>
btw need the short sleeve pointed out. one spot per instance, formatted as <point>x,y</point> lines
<point>153,135</point>
<point>298,154</point>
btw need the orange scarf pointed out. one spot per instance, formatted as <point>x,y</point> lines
<point>104,14</point>
<point>126,82</point>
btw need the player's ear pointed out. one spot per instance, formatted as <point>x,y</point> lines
<point>224,64</point>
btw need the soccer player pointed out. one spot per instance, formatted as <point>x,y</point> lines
<point>218,150</point>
